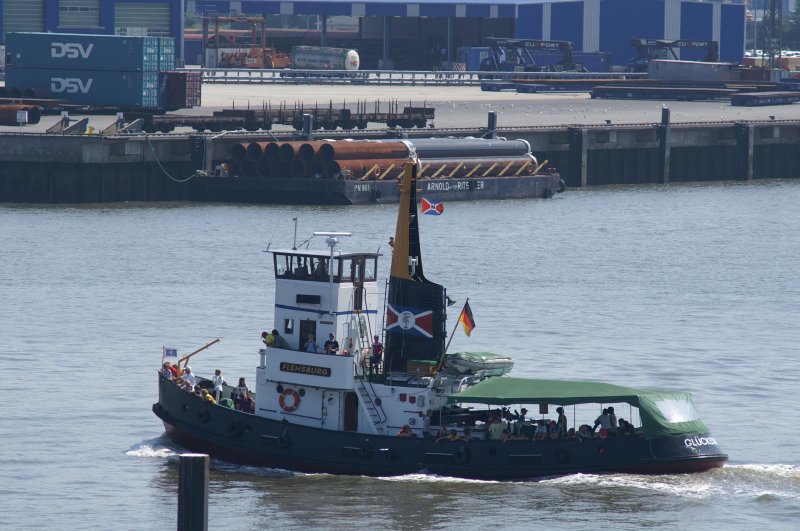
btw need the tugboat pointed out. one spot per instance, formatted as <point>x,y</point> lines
<point>418,409</point>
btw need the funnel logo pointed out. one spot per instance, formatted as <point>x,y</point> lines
<point>70,85</point>
<point>70,50</point>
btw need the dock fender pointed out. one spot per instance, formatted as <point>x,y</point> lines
<point>204,416</point>
<point>462,455</point>
<point>562,186</point>
<point>561,455</point>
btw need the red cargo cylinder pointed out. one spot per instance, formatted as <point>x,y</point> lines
<point>271,151</point>
<point>255,149</point>
<point>239,152</point>
<point>308,150</point>
<point>286,152</point>
<point>8,114</point>
<point>346,150</point>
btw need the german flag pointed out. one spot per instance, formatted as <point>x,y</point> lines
<point>466,319</point>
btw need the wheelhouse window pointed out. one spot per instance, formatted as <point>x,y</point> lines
<point>355,269</point>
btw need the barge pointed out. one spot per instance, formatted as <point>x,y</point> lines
<point>369,411</point>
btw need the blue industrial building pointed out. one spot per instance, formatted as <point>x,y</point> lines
<point>592,25</point>
<point>401,27</point>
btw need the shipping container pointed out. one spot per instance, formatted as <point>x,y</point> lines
<point>180,90</point>
<point>67,51</point>
<point>89,87</point>
<point>166,54</point>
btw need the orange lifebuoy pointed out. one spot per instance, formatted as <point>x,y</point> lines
<point>295,400</point>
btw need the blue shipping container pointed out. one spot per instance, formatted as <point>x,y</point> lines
<point>166,54</point>
<point>90,87</point>
<point>67,51</point>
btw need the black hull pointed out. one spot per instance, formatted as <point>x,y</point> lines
<point>344,192</point>
<point>248,439</point>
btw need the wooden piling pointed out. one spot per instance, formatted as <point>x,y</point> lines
<point>193,493</point>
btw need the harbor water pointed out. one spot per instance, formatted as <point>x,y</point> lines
<point>690,287</point>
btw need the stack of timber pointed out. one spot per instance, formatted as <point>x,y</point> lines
<point>366,171</point>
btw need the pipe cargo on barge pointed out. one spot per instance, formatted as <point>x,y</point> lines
<point>107,168</point>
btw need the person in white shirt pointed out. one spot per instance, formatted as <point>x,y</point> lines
<point>218,382</point>
<point>189,377</point>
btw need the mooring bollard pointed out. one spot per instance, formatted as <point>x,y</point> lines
<point>193,493</point>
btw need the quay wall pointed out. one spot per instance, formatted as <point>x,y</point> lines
<point>47,168</point>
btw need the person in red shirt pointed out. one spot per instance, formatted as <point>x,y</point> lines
<point>377,354</point>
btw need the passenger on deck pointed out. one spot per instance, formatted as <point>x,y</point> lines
<point>267,338</point>
<point>218,380</point>
<point>331,345</point>
<point>176,371</point>
<point>541,430</point>
<point>165,371</point>
<point>240,391</point>
<point>612,420</point>
<point>198,391</point>
<point>603,421</point>
<point>467,433</point>
<point>279,341</point>
<point>441,435</point>
<point>625,427</point>
<point>311,345</point>
<point>246,404</point>
<point>561,423</point>
<point>207,396</point>
<point>405,431</point>
<point>376,354</point>
<point>426,424</point>
<point>495,429</point>
<point>188,376</point>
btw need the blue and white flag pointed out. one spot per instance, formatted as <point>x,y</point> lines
<point>168,353</point>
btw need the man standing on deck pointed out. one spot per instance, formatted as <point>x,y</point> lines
<point>331,345</point>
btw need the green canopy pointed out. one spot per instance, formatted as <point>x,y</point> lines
<point>663,413</point>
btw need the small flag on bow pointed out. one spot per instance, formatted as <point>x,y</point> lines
<point>432,207</point>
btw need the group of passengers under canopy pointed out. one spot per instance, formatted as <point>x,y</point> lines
<point>240,398</point>
<point>503,425</point>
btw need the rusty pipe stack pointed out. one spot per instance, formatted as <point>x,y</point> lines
<point>439,158</point>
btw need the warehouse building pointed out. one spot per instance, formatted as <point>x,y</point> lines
<point>394,33</point>
<point>415,30</point>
